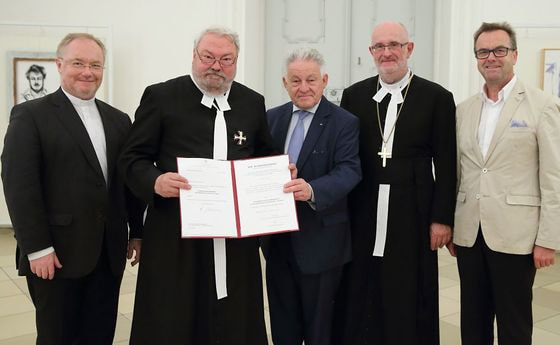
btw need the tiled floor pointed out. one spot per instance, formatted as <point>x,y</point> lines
<point>17,315</point>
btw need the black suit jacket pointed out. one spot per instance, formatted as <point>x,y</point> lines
<point>55,189</point>
<point>329,162</point>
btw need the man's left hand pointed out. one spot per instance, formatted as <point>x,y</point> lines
<point>543,257</point>
<point>300,188</point>
<point>440,235</point>
<point>134,248</point>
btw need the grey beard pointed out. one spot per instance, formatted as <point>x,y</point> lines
<point>212,91</point>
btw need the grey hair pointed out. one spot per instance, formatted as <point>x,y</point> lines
<point>78,35</point>
<point>305,54</point>
<point>221,32</point>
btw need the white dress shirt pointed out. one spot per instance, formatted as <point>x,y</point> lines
<point>490,114</point>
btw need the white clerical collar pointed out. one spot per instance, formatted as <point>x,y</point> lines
<point>78,102</point>
<point>399,84</point>
<point>208,100</point>
<point>502,95</point>
<point>394,89</point>
<point>311,110</point>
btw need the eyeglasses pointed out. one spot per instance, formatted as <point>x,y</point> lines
<point>224,61</point>
<point>393,46</point>
<point>498,52</point>
<point>77,64</point>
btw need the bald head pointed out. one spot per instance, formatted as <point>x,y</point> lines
<point>395,30</point>
<point>391,48</point>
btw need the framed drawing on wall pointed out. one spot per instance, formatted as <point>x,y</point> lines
<point>33,77</point>
<point>551,71</point>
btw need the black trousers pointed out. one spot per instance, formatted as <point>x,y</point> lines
<point>301,305</point>
<point>499,285</point>
<point>76,311</point>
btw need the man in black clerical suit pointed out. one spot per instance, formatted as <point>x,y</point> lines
<point>195,291</point>
<point>68,205</point>
<point>400,214</point>
<point>304,268</point>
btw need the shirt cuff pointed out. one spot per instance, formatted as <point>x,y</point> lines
<point>40,253</point>
<point>311,201</point>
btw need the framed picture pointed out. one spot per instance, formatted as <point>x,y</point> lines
<point>33,77</point>
<point>551,71</point>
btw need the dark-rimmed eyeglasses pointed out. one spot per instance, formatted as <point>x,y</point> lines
<point>498,52</point>
<point>224,61</point>
<point>393,46</point>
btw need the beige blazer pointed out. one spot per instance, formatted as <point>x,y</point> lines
<point>515,192</point>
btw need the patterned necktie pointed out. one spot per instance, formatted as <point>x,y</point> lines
<point>298,135</point>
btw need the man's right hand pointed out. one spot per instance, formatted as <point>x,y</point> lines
<point>44,266</point>
<point>167,185</point>
<point>452,249</point>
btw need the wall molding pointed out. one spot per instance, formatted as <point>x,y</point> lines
<point>294,15</point>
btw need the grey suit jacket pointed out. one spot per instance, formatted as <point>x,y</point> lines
<point>514,193</point>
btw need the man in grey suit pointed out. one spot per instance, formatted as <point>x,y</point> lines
<point>508,201</point>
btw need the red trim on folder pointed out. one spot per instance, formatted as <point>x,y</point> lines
<point>235,203</point>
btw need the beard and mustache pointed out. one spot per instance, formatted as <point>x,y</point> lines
<point>213,82</point>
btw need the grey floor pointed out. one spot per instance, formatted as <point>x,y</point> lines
<point>17,315</point>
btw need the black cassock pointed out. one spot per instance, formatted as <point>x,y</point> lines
<point>176,295</point>
<point>394,299</point>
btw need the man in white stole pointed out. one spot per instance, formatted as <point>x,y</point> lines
<point>195,291</point>
<point>395,92</point>
<point>400,213</point>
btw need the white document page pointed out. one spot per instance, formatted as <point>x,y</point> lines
<point>263,206</point>
<point>207,209</point>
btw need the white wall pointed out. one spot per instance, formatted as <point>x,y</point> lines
<point>341,31</point>
<point>150,41</point>
<point>537,25</point>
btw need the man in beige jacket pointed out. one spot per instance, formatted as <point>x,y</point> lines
<point>507,219</point>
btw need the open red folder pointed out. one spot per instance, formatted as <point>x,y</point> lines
<point>239,198</point>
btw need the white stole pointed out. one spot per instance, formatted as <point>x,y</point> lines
<point>220,152</point>
<point>387,143</point>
